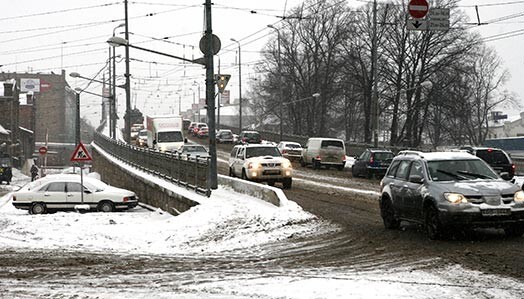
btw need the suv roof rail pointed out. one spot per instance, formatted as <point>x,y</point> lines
<point>410,152</point>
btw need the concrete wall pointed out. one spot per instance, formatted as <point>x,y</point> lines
<point>148,192</point>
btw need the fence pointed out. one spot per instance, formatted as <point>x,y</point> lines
<point>190,172</point>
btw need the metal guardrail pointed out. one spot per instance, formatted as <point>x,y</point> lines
<point>190,172</point>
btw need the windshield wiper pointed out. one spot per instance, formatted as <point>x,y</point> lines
<point>452,174</point>
<point>477,175</point>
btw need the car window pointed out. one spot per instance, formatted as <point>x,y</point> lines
<point>403,169</point>
<point>73,187</point>
<point>240,154</point>
<point>393,169</point>
<point>56,187</point>
<point>332,143</point>
<point>234,152</point>
<point>493,157</point>
<point>262,151</point>
<point>292,145</point>
<point>383,156</point>
<point>456,170</point>
<point>416,169</point>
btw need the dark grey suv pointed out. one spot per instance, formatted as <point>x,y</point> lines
<point>444,191</point>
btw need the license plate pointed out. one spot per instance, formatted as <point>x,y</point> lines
<point>272,172</point>
<point>496,212</point>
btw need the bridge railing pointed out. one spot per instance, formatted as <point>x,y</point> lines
<point>184,170</point>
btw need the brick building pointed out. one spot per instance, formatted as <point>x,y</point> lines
<point>54,105</point>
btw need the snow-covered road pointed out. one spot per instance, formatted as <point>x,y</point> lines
<point>230,246</point>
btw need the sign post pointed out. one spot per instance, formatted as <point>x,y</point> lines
<point>81,155</point>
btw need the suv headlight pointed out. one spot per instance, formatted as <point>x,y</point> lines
<point>286,164</point>
<point>519,196</point>
<point>253,165</point>
<point>455,198</point>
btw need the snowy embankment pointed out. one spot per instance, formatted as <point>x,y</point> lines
<point>225,221</point>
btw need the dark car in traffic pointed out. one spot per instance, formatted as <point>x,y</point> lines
<point>447,192</point>
<point>372,162</point>
<point>497,158</point>
<point>6,173</point>
<point>246,137</point>
<point>224,136</point>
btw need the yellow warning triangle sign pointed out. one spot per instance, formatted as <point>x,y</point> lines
<point>80,154</point>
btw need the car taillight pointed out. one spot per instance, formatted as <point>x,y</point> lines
<point>318,158</point>
<point>284,152</point>
<point>490,150</point>
<point>126,199</point>
<point>344,158</point>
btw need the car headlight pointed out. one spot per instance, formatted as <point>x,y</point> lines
<point>286,164</point>
<point>253,165</point>
<point>163,148</point>
<point>519,196</point>
<point>455,198</point>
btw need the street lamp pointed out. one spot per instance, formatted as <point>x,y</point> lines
<point>239,87</point>
<point>198,104</point>
<point>113,112</point>
<point>112,99</point>
<point>280,80</point>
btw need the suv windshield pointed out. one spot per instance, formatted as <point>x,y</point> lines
<point>262,151</point>
<point>332,143</point>
<point>170,137</point>
<point>454,170</point>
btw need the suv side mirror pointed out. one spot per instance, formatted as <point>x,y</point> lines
<point>415,178</point>
<point>505,176</point>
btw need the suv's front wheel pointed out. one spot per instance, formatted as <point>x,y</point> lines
<point>388,214</point>
<point>432,224</point>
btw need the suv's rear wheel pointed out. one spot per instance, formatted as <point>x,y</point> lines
<point>432,225</point>
<point>388,214</point>
<point>302,163</point>
<point>286,183</point>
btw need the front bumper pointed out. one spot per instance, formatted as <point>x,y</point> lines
<point>481,215</point>
<point>269,174</point>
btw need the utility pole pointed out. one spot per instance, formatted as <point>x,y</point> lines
<point>110,95</point>
<point>127,136</point>
<point>210,99</point>
<point>374,95</point>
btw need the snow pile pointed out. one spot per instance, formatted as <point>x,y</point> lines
<point>226,221</point>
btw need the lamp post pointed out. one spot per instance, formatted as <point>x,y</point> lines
<point>280,80</point>
<point>198,103</point>
<point>239,87</point>
<point>113,116</point>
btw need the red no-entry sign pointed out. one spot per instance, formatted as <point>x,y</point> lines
<point>418,8</point>
<point>42,150</point>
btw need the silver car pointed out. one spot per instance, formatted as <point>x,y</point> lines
<point>446,191</point>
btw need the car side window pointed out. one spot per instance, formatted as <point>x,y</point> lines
<point>56,187</point>
<point>234,152</point>
<point>73,187</point>
<point>416,169</point>
<point>240,154</point>
<point>403,170</point>
<point>393,169</point>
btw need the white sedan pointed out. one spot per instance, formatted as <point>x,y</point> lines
<point>63,192</point>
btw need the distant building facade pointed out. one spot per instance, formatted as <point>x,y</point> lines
<point>52,103</point>
<point>512,128</point>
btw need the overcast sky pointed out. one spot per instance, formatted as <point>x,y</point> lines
<point>47,36</point>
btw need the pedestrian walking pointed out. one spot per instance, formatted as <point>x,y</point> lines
<point>34,172</point>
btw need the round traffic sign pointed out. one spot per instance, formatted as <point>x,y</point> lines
<point>418,8</point>
<point>42,150</point>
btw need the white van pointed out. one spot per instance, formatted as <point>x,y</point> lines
<point>324,152</point>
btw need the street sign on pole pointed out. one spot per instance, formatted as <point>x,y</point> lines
<point>416,24</point>
<point>439,19</point>
<point>80,154</point>
<point>418,8</point>
<point>42,150</point>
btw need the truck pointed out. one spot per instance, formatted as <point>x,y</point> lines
<point>165,132</point>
